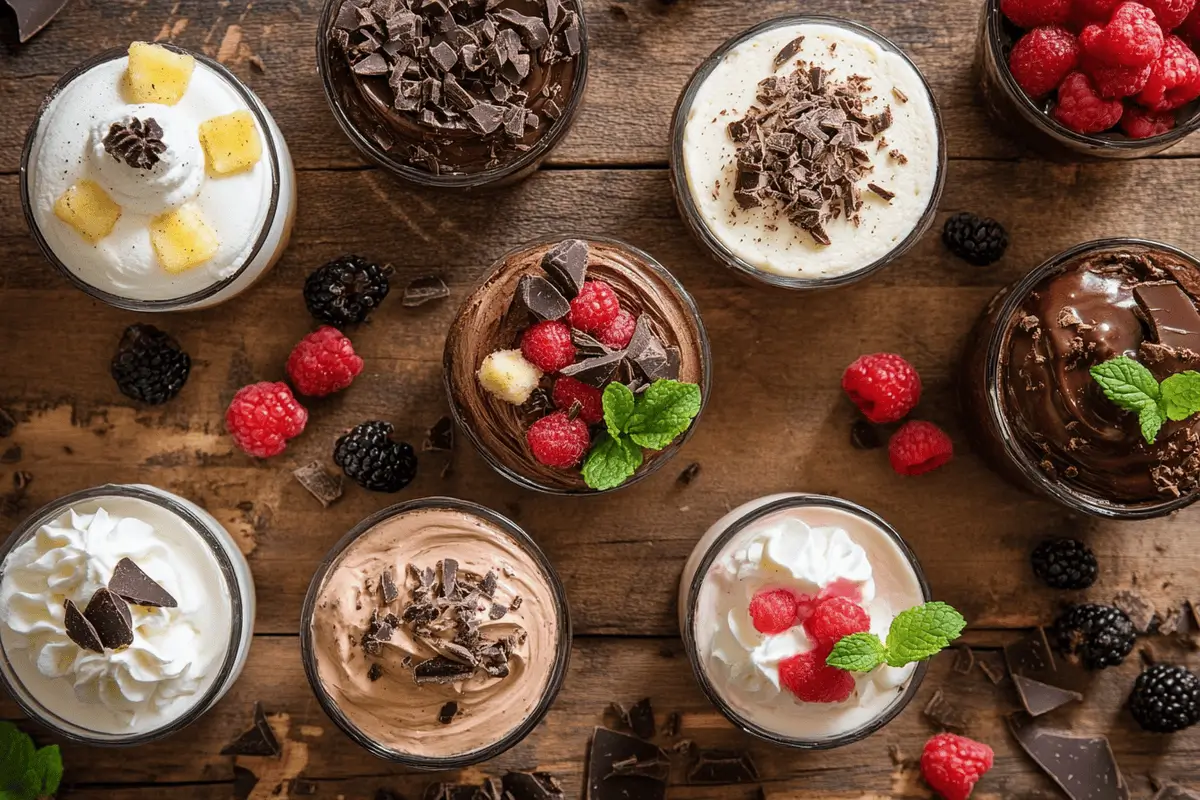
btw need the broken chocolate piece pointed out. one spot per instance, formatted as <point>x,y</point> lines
<point>375,672</point>
<point>1172,315</point>
<point>992,665</point>
<point>942,713</point>
<point>319,482</point>
<point>497,611</point>
<point>449,568</point>
<point>864,436</point>
<point>448,712</point>
<point>1032,657</point>
<point>531,786</point>
<point>1042,698</point>
<point>388,587</point>
<point>689,474</point>
<point>789,50</point>
<point>80,630</point>
<point>964,661</point>
<point>658,769</point>
<point>110,616</point>
<point>260,740</point>
<point>541,298</point>
<point>609,748</point>
<point>1083,766</point>
<point>130,583</point>
<point>488,585</point>
<point>641,719</point>
<point>566,266</point>
<point>440,436</point>
<point>722,768</point>
<point>33,15</point>
<point>424,290</point>
<point>1143,615</point>
<point>670,728</point>
<point>441,670</point>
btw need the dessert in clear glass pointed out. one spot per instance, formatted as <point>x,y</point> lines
<point>155,180</point>
<point>828,193</point>
<point>127,612</point>
<point>436,634</point>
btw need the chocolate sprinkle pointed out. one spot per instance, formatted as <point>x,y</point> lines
<point>322,485</point>
<point>448,712</point>
<point>80,630</point>
<point>135,587</point>
<point>424,290</point>
<point>110,615</point>
<point>259,740</point>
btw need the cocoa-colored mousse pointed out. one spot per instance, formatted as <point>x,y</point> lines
<point>455,86</point>
<point>436,634</point>
<point>493,317</point>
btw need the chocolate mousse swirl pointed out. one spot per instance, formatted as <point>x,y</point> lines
<point>1130,301</point>
<point>485,325</point>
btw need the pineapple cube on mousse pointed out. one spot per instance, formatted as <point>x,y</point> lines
<point>88,209</point>
<point>231,143</point>
<point>156,74</point>
<point>182,239</point>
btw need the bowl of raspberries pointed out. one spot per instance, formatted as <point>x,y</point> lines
<point>1107,78</point>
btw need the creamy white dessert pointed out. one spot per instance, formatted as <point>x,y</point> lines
<point>904,158</point>
<point>812,551</point>
<point>169,219</point>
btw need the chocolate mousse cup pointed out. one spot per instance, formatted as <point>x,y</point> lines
<point>459,99</point>
<point>1029,121</point>
<point>1040,419</point>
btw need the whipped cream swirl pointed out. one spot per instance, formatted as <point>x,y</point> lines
<point>175,179</point>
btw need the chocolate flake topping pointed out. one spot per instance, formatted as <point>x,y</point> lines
<point>540,297</point>
<point>110,616</point>
<point>789,50</point>
<point>139,144</point>
<point>130,583</point>
<point>375,673</point>
<point>80,630</point>
<point>387,585</point>
<point>441,670</point>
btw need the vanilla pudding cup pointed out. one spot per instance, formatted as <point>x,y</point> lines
<point>768,238</point>
<point>250,212</point>
<point>804,543</point>
<point>180,660</point>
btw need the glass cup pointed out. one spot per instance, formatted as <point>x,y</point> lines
<point>562,651</point>
<point>685,193</point>
<point>374,141</point>
<point>50,701</point>
<point>981,392</point>
<point>262,254</point>
<point>471,339</point>
<point>723,536</point>
<point>1029,121</point>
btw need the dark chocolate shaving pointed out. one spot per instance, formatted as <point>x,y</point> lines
<point>138,143</point>
<point>110,616</point>
<point>441,670</point>
<point>448,712</point>
<point>80,630</point>
<point>789,50</point>
<point>135,587</point>
<point>424,290</point>
<point>388,587</point>
<point>259,740</point>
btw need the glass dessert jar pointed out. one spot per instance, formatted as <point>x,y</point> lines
<point>781,200</point>
<point>187,602</point>
<point>436,634</point>
<point>498,397</point>
<point>481,103</point>
<point>155,180</point>
<point>814,547</point>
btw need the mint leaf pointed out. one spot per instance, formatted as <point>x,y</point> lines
<point>16,755</point>
<point>858,652</point>
<point>1150,418</point>
<point>662,412</point>
<point>611,462</point>
<point>922,632</point>
<point>1127,383</point>
<point>47,763</point>
<point>1181,395</point>
<point>618,406</point>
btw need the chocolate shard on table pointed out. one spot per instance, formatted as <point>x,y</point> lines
<point>440,436</point>
<point>1042,698</point>
<point>964,661</point>
<point>131,584</point>
<point>641,719</point>
<point>864,436</point>
<point>689,474</point>
<point>1032,657</point>
<point>1084,767</point>
<point>992,664</point>
<point>259,740</point>
<point>80,630</point>
<point>33,15</point>
<point>424,290</point>
<point>110,616</point>
<point>541,298</point>
<point>1174,321</point>
<point>610,748</point>
<point>722,768</point>
<point>531,786</point>
<point>319,482</point>
<point>566,266</point>
<point>945,714</point>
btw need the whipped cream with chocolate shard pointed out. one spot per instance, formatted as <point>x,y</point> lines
<point>536,284</point>
<point>1132,301</point>
<point>456,86</point>
<point>435,633</point>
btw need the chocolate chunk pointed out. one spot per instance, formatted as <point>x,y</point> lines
<point>539,296</point>
<point>689,474</point>
<point>722,768</point>
<point>80,630</point>
<point>788,51</point>
<point>531,786</point>
<point>964,661</point>
<point>534,32</point>
<point>1083,766</point>
<point>943,713</point>
<point>441,670</point>
<point>1032,657</point>
<point>1174,321</point>
<point>497,611</point>
<point>488,585</point>
<point>485,118</point>
<point>880,191</point>
<point>1042,698</point>
<point>322,485</point>
<point>448,712</point>
<point>641,718</point>
<point>374,64</point>
<point>375,672</point>
<point>609,748</point>
<point>110,616</point>
<point>424,290</point>
<point>244,782</point>
<point>588,345</point>
<point>648,353</point>
<point>1143,615</point>
<point>566,266</point>
<point>440,436</point>
<point>670,727</point>
<point>992,665</point>
<point>449,569</point>
<point>260,740</point>
<point>864,436</point>
<point>388,587</point>
<point>33,15</point>
<point>130,583</point>
<point>597,371</point>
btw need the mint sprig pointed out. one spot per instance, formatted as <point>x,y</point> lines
<point>1131,386</point>
<point>26,772</point>
<point>915,635</point>
<point>652,419</point>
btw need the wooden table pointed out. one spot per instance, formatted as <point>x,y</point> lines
<point>776,420</point>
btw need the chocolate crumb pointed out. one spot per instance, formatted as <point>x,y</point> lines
<point>448,712</point>
<point>964,661</point>
<point>881,192</point>
<point>319,482</point>
<point>899,95</point>
<point>689,474</point>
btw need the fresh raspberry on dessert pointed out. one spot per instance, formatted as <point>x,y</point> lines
<point>558,441</point>
<point>884,386</point>
<point>568,391</point>
<point>1110,82</point>
<point>1132,37</point>
<point>953,764</point>
<point>1138,123</point>
<point>594,307</point>
<point>811,680</point>
<point>1170,13</point>
<point>1036,13</point>
<point>773,610</point>
<point>919,447</point>
<point>548,346</point>
<point>263,416</point>
<point>617,333</point>
<point>1042,58</point>
<point>1087,11</point>
<point>835,619</point>
<point>1081,109</point>
<point>1174,78</point>
<point>323,362</point>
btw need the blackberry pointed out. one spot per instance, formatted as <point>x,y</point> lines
<point>979,241</point>
<point>371,459</point>
<point>1065,564</point>
<point>1094,635</point>
<point>150,366</point>
<point>1166,699</point>
<point>346,290</point>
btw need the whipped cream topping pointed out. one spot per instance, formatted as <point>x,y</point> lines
<point>174,180</point>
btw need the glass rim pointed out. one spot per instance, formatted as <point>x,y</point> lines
<point>682,189</point>
<point>554,682</point>
<point>1083,501</point>
<point>262,117</point>
<point>166,500</point>
<point>451,180</point>
<point>685,300</point>
<point>688,630</point>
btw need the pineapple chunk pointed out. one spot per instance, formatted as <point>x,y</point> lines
<point>182,239</point>
<point>88,209</point>
<point>156,74</point>
<point>231,143</point>
<point>509,376</point>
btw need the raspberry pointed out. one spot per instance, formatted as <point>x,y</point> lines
<point>811,680</point>
<point>594,307</point>
<point>1170,13</point>
<point>884,386</point>
<point>1138,123</point>
<point>919,447</point>
<point>323,362</point>
<point>1111,82</point>
<point>1132,38</point>
<point>773,610</point>
<point>1087,11</point>
<point>1190,29</point>
<point>1081,109</point>
<point>1036,13</point>
<point>952,764</point>
<point>1042,58</point>
<point>557,440</point>
<point>548,346</point>
<point>263,416</point>
<point>1174,78</point>
<point>834,619</point>
<point>568,391</point>
<point>617,333</point>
